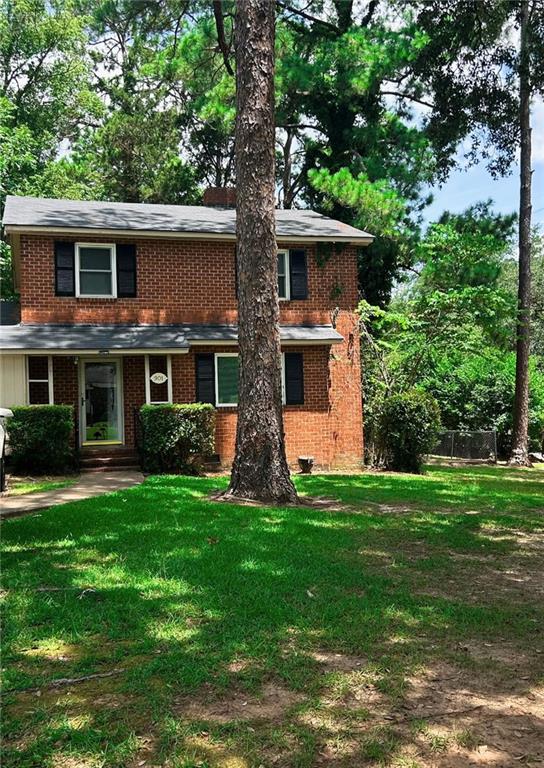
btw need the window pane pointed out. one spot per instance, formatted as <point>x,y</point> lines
<point>227,379</point>
<point>95,283</point>
<point>282,276</point>
<point>95,258</point>
<point>38,393</point>
<point>38,367</point>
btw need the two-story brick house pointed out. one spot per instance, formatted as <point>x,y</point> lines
<point>123,304</point>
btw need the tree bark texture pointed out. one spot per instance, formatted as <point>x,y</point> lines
<point>260,469</point>
<point>520,445</point>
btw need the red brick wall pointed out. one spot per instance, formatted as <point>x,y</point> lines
<point>178,281</point>
<point>133,391</point>
<point>193,282</point>
<point>328,426</point>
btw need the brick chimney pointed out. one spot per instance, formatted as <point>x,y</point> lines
<point>220,197</point>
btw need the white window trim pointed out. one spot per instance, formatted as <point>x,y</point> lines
<point>113,264</point>
<point>148,399</point>
<point>235,354</point>
<point>49,379</point>
<point>287,256</point>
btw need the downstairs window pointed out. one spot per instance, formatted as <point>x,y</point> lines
<point>40,379</point>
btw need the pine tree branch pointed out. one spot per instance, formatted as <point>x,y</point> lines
<point>220,26</point>
<point>307,16</point>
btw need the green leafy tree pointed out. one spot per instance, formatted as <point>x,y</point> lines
<point>44,81</point>
<point>451,324</point>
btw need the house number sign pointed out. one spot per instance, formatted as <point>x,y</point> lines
<point>159,378</point>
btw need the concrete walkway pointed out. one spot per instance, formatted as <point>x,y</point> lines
<point>89,484</point>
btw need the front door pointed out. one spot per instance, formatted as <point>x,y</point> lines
<point>101,413</point>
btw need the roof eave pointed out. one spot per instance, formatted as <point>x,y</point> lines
<point>19,229</point>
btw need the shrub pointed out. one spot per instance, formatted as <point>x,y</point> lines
<point>409,424</point>
<point>175,437</point>
<point>40,438</point>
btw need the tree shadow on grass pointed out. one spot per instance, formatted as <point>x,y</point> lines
<point>198,599</point>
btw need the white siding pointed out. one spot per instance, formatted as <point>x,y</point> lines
<point>12,380</point>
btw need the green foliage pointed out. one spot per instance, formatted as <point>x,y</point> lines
<point>454,259</point>
<point>377,208</point>
<point>471,63</point>
<point>40,438</point>
<point>451,332</point>
<point>408,426</point>
<point>508,281</point>
<point>7,289</point>
<point>476,391</point>
<point>46,94</point>
<point>175,437</point>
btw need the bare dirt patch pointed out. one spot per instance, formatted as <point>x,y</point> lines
<point>479,720</point>
<point>273,703</point>
<point>338,662</point>
<point>447,718</point>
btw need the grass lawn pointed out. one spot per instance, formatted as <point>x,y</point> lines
<point>404,627</point>
<point>18,486</point>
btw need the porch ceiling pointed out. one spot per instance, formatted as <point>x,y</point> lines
<point>141,339</point>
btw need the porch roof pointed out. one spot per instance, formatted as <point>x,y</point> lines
<point>138,339</point>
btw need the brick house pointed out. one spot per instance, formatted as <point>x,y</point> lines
<point>123,304</point>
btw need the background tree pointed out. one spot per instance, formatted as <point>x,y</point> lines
<point>260,469</point>
<point>45,87</point>
<point>450,331</point>
<point>520,445</point>
<point>486,85</point>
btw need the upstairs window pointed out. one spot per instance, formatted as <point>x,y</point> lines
<point>95,270</point>
<point>292,275</point>
<point>40,379</point>
<point>283,275</point>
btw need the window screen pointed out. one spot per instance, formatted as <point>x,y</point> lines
<point>227,379</point>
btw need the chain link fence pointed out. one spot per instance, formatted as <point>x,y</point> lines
<point>462,444</point>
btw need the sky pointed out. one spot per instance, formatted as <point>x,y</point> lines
<point>465,187</point>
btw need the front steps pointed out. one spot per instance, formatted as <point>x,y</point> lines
<point>109,458</point>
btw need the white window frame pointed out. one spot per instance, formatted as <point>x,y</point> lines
<point>148,399</point>
<point>287,259</point>
<point>235,354</point>
<point>113,265</point>
<point>49,380</point>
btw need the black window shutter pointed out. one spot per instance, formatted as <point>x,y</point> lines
<point>126,271</point>
<point>298,274</point>
<point>236,271</point>
<point>65,284</point>
<point>205,378</point>
<point>294,378</point>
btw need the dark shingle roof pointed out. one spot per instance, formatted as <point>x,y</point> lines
<point>29,212</point>
<point>63,338</point>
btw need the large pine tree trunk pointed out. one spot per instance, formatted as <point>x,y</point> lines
<point>520,446</point>
<point>260,469</point>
